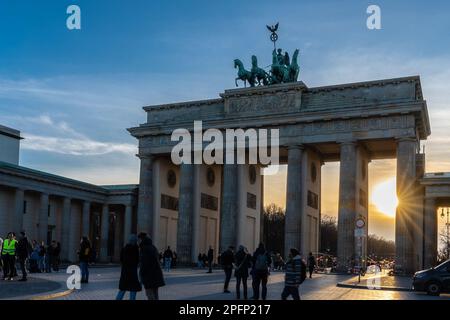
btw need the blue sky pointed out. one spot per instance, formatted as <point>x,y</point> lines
<point>73,93</point>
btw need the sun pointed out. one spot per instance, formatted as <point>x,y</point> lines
<point>384,197</point>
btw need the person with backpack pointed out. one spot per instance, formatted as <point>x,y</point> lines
<point>243,262</point>
<point>227,260</point>
<point>260,272</point>
<point>295,275</point>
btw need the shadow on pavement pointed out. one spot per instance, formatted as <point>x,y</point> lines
<point>11,289</point>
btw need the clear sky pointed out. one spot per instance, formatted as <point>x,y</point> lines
<point>73,93</point>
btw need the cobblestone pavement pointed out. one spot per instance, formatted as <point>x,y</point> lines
<point>198,285</point>
<point>13,289</point>
<point>381,280</point>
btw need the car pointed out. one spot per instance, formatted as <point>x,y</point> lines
<point>434,280</point>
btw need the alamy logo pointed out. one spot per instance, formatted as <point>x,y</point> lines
<point>374,283</point>
<point>209,147</point>
<point>73,22</point>
<point>74,280</point>
<point>374,20</point>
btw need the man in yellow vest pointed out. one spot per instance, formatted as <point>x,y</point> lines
<point>9,256</point>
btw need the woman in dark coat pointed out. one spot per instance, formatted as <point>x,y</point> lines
<point>150,270</point>
<point>243,263</point>
<point>129,258</point>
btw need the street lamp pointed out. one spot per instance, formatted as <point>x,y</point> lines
<point>447,224</point>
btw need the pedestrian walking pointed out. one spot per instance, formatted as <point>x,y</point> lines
<point>200,261</point>
<point>41,261</point>
<point>243,263</point>
<point>56,256</point>
<point>34,258</point>
<point>129,258</point>
<point>9,256</point>
<point>84,255</point>
<point>23,252</point>
<point>168,257</point>
<point>311,264</point>
<point>210,258</point>
<point>49,258</point>
<point>174,259</point>
<point>260,271</point>
<point>227,260</point>
<point>150,272</point>
<point>295,275</point>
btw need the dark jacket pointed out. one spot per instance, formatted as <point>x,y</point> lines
<point>293,272</point>
<point>23,249</point>
<point>129,258</point>
<point>150,270</point>
<point>227,259</point>
<point>210,255</point>
<point>311,262</point>
<point>84,253</point>
<point>243,263</point>
<point>168,254</point>
<point>267,258</point>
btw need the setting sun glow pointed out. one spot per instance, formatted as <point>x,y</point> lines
<point>384,197</point>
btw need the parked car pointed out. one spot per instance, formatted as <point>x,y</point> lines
<point>434,280</point>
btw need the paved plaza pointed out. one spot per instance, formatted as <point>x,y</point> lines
<point>198,285</point>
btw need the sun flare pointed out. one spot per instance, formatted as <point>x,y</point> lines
<point>384,197</point>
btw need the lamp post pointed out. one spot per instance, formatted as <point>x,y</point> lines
<point>447,224</point>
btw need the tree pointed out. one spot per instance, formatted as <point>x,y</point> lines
<point>380,247</point>
<point>328,235</point>
<point>273,237</point>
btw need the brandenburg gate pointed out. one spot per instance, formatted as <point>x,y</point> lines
<point>194,206</point>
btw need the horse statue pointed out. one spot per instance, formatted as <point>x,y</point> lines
<point>293,68</point>
<point>258,73</point>
<point>280,73</point>
<point>243,74</point>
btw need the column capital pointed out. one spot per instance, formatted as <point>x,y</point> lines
<point>145,156</point>
<point>350,142</point>
<point>296,146</point>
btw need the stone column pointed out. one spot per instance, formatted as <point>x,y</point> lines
<point>261,213</point>
<point>43,217</point>
<point>240,212</point>
<point>118,236</point>
<point>228,207</point>
<point>104,233</point>
<point>85,221</point>
<point>65,229</point>
<point>406,191</point>
<point>18,210</point>
<point>145,208</point>
<point>347,205</point>
<point>185,214</point>
<point>430,233</point>
<point>292,238</point>
<point>196,212</point>
<point>128,217</point>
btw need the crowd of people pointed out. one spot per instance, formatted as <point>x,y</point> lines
<point>259,265</point>
<point>142,264</point>
<point>33,257</point>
